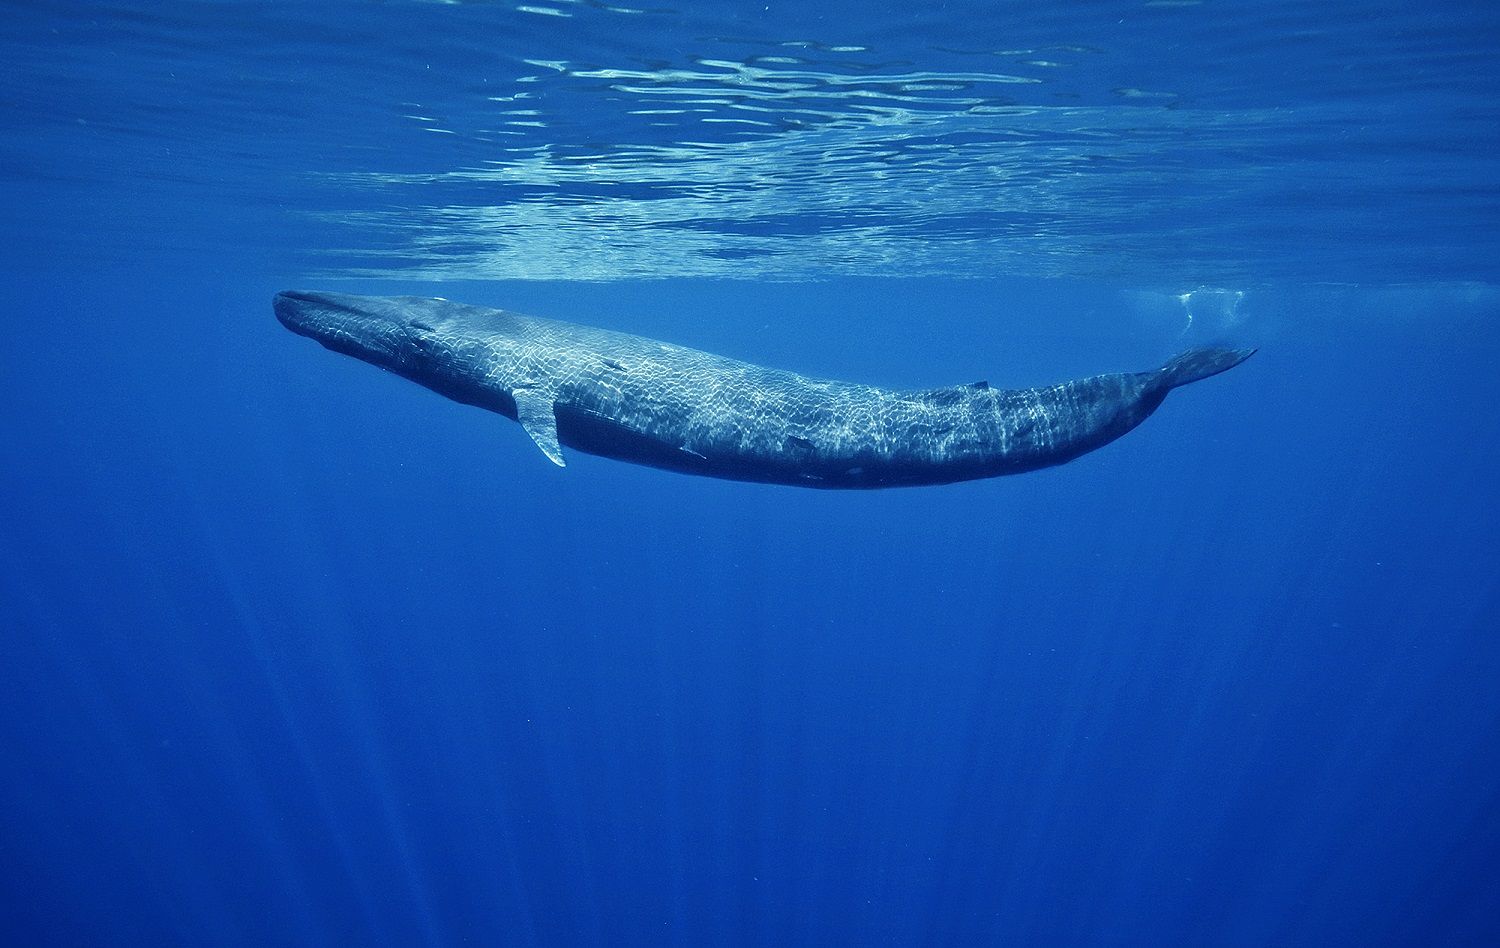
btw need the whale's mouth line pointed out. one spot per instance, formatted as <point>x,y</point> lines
<point>290,309</point>
<point>338,323</point>
<point>309,313</point>
<point>291,297</point>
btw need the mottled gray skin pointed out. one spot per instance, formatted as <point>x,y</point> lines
<point>650,402</point>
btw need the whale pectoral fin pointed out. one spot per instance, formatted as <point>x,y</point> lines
<point>535,412</point>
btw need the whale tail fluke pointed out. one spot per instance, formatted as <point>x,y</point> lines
<point>1196,364</point>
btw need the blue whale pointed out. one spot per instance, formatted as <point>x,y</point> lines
<point>649,402</point>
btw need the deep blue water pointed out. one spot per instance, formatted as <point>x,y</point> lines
<point>296,652</point>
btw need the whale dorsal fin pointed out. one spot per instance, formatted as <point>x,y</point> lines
<point>535,412</point>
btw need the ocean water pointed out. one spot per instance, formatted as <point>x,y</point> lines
<point>295,652</point>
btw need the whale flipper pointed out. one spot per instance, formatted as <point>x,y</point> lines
<point>536,412</point>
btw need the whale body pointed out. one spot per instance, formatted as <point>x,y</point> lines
<point>649,402</point>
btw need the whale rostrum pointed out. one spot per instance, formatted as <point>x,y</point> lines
<point>650,402</point>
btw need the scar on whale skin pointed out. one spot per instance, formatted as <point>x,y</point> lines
<point>650,402</point>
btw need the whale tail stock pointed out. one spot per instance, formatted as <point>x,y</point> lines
<point>1196,364</point>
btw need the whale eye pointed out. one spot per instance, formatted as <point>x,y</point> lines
<point>418,324</point>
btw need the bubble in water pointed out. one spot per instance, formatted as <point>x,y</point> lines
<point>1211,308</point>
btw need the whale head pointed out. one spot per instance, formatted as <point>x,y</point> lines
<point>402,334</point>
<point>459,351</point>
